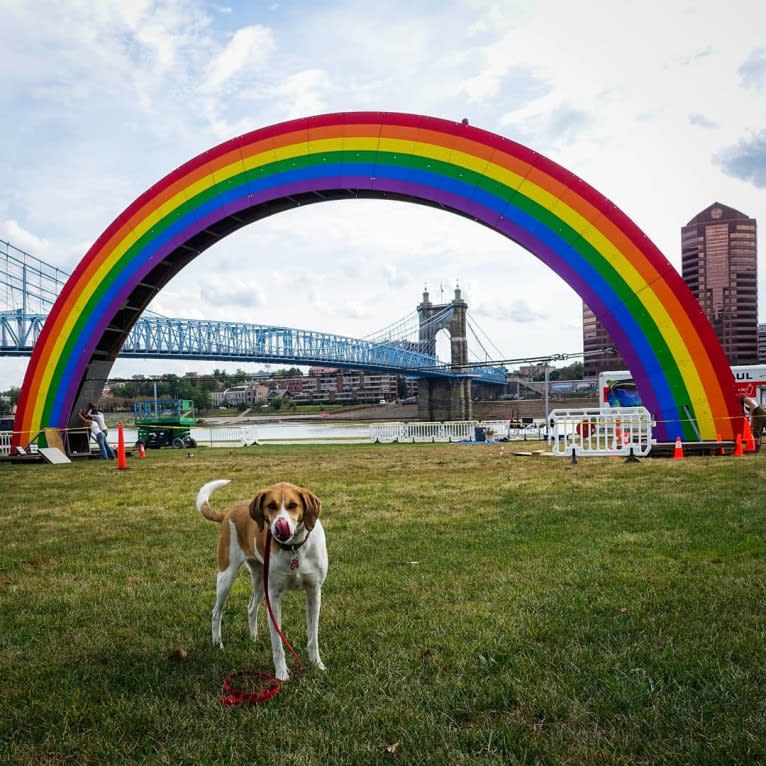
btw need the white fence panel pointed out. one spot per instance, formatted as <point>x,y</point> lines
<point>602,431</point>
<point>454,431</point>
<point>387,433</point>
<point>224,436</point>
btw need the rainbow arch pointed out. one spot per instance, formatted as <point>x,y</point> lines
<point>668,344</point>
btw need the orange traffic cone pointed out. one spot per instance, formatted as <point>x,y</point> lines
<point>141,450</point>
<point>122,461</point>
<point>678,452</point>
<point>749,438</point>
<point>720,450</point>
<point>738,451</point>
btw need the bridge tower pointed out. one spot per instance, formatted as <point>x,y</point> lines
<point>438,399</point>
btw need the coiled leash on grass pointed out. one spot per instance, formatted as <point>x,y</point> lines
<point>233,697</point>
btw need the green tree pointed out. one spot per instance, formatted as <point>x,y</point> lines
<point>13,394</point>
<point>293,372</point>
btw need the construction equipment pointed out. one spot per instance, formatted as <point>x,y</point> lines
<point>164,422</point>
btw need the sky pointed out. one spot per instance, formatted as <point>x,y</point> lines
<point>661,106</point>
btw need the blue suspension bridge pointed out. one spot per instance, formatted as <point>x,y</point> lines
<point>29,287</point>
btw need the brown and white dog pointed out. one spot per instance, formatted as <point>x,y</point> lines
<point>298,557</point>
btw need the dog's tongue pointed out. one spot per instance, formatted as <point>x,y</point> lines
<point>282,529</point>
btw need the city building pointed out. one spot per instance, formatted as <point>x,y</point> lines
<point>719,262</point>
<point>599,352</point>
<point>335,385</point>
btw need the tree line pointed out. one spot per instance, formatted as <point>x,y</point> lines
<point>195,387</point>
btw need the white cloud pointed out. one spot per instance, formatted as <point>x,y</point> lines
<point>247,53</point>
<point>24,240</point>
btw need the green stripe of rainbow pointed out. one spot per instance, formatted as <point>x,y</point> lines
<point>669,345</point>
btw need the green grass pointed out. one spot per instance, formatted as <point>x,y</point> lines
<point>480,609</point>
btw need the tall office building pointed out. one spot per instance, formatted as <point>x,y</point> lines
<point>599,352</point>
<point>719,262</point>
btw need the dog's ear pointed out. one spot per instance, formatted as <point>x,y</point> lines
<point>256,510</point>
<point>312,507</point>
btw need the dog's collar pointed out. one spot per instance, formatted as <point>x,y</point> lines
<point>292,547</point>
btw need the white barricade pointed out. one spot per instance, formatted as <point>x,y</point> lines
<point>455,431</point>
<point>421,432</point>
<point>224,436</point>
<point>602,431</point>
<point>6,437</point>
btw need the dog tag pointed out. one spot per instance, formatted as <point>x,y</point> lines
<point>294,562</point>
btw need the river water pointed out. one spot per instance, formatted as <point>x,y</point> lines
<point>271,432</point>
<point>299,431</point>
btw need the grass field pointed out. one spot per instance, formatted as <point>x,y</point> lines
<point>480,609</point>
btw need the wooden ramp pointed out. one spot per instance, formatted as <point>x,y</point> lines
<point>53,455</point>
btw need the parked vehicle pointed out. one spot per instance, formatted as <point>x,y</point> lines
<point>617,388</point>
<point>165,422</point>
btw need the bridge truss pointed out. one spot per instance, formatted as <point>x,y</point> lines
<point>28,288</point>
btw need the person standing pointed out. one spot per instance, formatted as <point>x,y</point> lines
<point>98,436</point>
<point>97,415</point>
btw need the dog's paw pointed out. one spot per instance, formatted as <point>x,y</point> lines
<point>314,659</point>
<point>283,674</point>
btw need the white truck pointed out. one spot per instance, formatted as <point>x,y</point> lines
<point>617,389</point>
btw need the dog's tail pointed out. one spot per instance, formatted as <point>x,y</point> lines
<point>203,498</point>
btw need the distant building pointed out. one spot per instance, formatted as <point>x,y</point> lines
<point>235,396</point>
<point>334,385</point>
<point>599,351</point>
<point>719,261</point>
<point>217,398</point>
<point>248,394</point>
<point>530,371</point>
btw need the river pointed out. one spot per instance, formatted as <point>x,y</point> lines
<point>270,432</point>
<point>297,431</point>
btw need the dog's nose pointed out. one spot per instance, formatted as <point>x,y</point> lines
<point>282,529</point>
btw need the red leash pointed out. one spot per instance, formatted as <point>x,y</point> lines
<point>234,696</point>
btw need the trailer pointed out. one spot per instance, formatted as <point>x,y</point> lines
<point>617,388</point>
<point>165,422</point>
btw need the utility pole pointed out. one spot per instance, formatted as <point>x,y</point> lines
<point>547,368</point>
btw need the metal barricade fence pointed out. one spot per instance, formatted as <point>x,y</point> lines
<point>456,431</point>
<point>602,431</point>
<point>224,436</point>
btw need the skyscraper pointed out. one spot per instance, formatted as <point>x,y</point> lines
<point>719,262</point>
<point>599,352</point>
